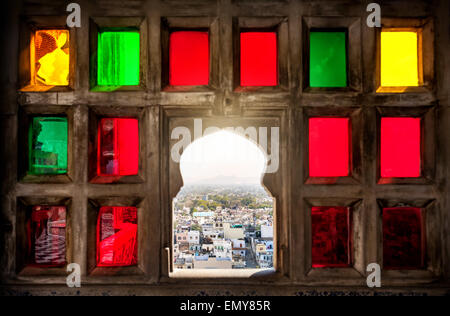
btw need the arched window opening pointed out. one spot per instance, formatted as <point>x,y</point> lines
<point>223,217</point>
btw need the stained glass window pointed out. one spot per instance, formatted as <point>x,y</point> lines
<point>259,59</point>
<point>118,150</point>
<point>189,58</point>
<point>48,146</point>
<point>330,237</point>
<point>402,238</point>
<point>51,57</point>
<point>400,147</point>
<point>328,59</point>
<point>117,237</point>
<point>329,147</point>
<point>118,58</point>
<point>47,236</point>
<point>399,59</point>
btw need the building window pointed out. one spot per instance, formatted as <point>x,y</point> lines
<point>47,236</point>
<point>118,54</point>
<point>51,55</point>
<point>117,237</point>
<point>118,150</point>
<point>259,59</point>
<point>332,55</point>
<point>346,143</point>
<point>48,146</point>
<point>329,148</point>
<point>400,58</point>
<point>403,238</point>
<point>118,58</point>
<point>331,237</point>
<point>328,59</point>
<point>208,197</point>
<point>261,54</point>
<point>117,147</point>
<point>189,58</point>
<point>405,56</point>
<point>47,54</point>
<point>400,147</point>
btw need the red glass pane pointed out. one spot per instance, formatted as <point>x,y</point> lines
<point>118,150</point>
<point>259,65</point>
<point>330,237</point>
<point>400,147</point>
<point>329,154</point>
<point>117,237</point>
<point>402,238</point>
<point>189,58</point>
<point>47,236</point>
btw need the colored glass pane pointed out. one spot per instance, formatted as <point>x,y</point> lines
<point>328,60</point>
<point>118,150</point>
<point>47,236</point>
<point>117,236</point>
<point>329,147</point>
<point>399,59</point>
<point>259,54</point>
<point>52,57</point>
<point>402,238</point>
<point>189,58</point>
<point>330,237</point>
<point>400,147</point>
<point>48,145</point>
<point>118,58</point>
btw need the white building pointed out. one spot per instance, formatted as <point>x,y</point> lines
<point>266,232</point>
<point>239,247</point>
<point>194,237</point>
<point>265,260</point>
<point>233,231</point>
<point>222,248</point>
<point>212,234</point>
<point>181,237</point>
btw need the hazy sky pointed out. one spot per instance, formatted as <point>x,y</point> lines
<point>222,154</point>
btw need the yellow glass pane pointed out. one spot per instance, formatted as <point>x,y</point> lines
<point>399,59</point>
<point>52,57</point>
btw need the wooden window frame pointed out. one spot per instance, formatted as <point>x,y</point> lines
<point>135,23</point>
<point>173,182</point>
<point>28,27</point>
<point>138,272</point>
<point>424,29</point>
<point>427,146</point>
<point>352,27</point>
<point>161,179</point>
<point>430,222</point>
<point>356,271</point>
<point>205,24</point>
<point>26,113</point>
<point>23,211</point>
<point>355,144</point>
<point>280,26</point>
<point>95,115</point>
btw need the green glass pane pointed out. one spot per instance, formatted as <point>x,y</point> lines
<point>328,59</point>
<point>48,145</point>
<point>118,58</point>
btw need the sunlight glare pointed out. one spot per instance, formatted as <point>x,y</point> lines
<point>223,156</point>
